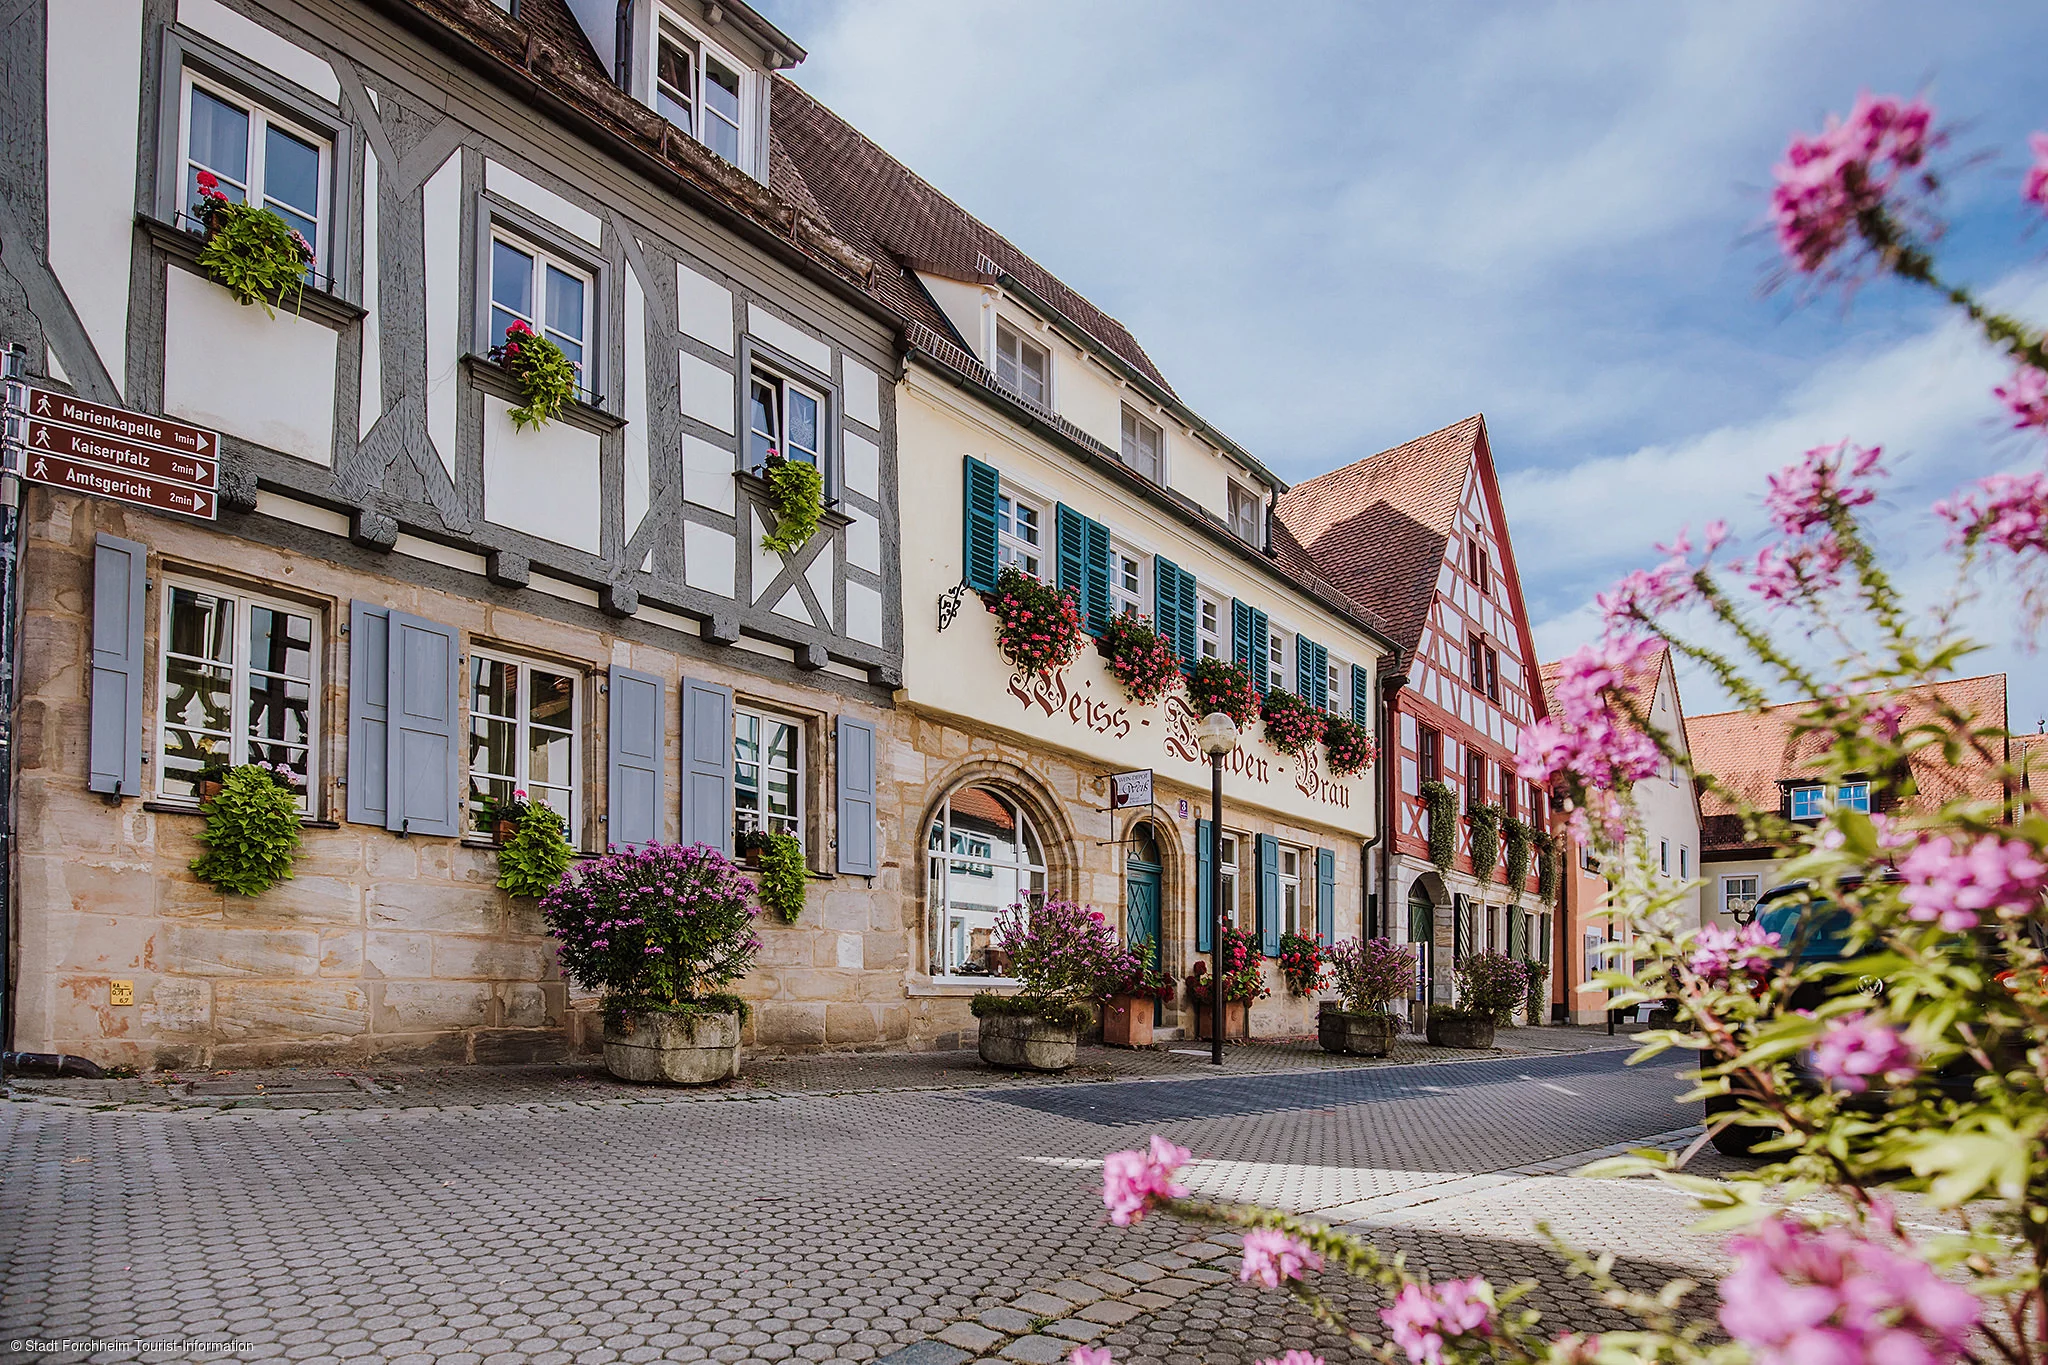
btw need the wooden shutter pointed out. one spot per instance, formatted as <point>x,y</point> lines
<point>859,854</point>
<point>1361,695</point>
<point>639,703</point>
<point>1189,640</point>
<point>1096,599</point>
<point>421,728</point>
<point>707,765</point>
<point>1173,592</point>
<point>1249,630</point>
<point>1205,890</point>
<point>1269,895</point>
<point>1458,908</point>
<point>1326,896</point>
<point>1311,672</point>
<point>369,685</point>
<point>979,555</point>
<point>1070,537</point>
<point>119,607</point>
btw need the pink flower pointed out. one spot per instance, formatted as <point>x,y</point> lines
<point>2034,189</point>
<point>1271,1256</point>
<point>1803,495</point>
<point>1422,1316</point>
<point>1783,577</point>
<point>2026,394</point>
<point>1292,1358</point>
<point>1847,169</point>
<point>1131,1181</point>
<point>1799,1295</point>
<point>1091,1355</point>
<point>2006,510</point>
<point>1885,718</point>
<point>1857,1047</point>
<point>1953,886</point>
<point>1721,955</point>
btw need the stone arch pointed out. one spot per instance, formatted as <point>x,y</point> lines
<point>1176,876</point>
<point>1057,837</point>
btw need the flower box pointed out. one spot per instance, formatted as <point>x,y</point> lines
<point>1127,1020</point>
<point>1357,1035</point>
<point>674,1049</point>
<point>1235,1014</point>
<point>1026,1042</point>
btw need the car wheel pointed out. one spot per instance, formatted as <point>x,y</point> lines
<point>1733,1139</point>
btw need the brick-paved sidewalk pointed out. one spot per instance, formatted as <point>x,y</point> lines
<point>585,1081</point>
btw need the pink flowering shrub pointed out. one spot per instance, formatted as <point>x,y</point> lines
<point>1271,1257</point>
<point>1141,658</point>
<point>1732,957</point>
<point>1424,1315</point>
<point>1038,627</point>
<point>1954,883</point>
<point>1855,1047</point>
<point>1063,953</point>
<point>1133,1181</point>
<point>2034,188</point>
<point>1830,180</point>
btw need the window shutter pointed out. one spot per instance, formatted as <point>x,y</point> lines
<point>859,854</point>
<point>1070,532</point>
<point>420,731</point>
<point>638,707</point>
<point>1514,933</point>
<point>1166,599</point>
<point>1248,639</point>
<point>1458,908</point>
<point>1188,641</point>
<point>119,592</point>
<point>979,558</point>
<point>369,686</point>
<point>1269,895</point>
<point>1543,950</point>
<point>1312,672</point>
<point>707,765</point>
<point>1326,896</point>
<point>1361,695</point>
<point>1096,599</point>
<point>1205,890</point>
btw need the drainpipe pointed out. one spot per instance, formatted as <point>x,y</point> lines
<point>1391,684</point>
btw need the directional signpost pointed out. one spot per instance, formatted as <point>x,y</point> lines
<point>130,456</point>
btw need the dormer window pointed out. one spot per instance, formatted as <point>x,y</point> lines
<point>1244,514</point>
<point>1021,366</point>
<point>698,89</point>
<point>1141,445</point>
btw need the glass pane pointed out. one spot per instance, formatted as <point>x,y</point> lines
<point>746,738</point>
<point>185,754</point>
<point>220,139</point>
<point>196,695</point>
<point>672,65</point>
<point>551,698</point>
<point>280,642</point>
<point>483,793</point>
<point>500,321</point>
<point>1027,524</point>
<point>572,351</point>
<point>511,282</point>
<point>781,744</point>
<point>803,427</point>
<point>491,747</point>
<point>721,131</point>
<point>280,709</point>
<point>565,306</point>
<point>556,799</point>
<point>493,688</point>
<point>291,172</point>
<point>762,426</point>
<point>200,623</point>
<point>781,793</point>
<point>547,757</point>
<point>746,795</point>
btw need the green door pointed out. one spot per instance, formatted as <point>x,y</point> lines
<point>1141,915</point>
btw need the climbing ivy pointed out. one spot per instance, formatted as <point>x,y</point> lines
<point>1442,804</point>
<point>1485,821</point>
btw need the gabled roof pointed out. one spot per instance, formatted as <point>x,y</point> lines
<point>1640,678</point>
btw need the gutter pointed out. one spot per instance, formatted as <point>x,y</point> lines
<point>1391,684</point>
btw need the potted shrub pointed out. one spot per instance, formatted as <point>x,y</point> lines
<point>545,377</point>
<point>250,251</point>
<point>1490,986</point>
<point>1302,962</point>
<point>252,829</point>
<point>1038,627</point>
<point>1068,958</point>
<point>1242,984</point>
<point>533,846</point>
<point>1141,658</point>
<point>1369,976</point>
<point>798,491</point>
<point>660,930</point>
<point>1219,685</point>
<point>1127,1016</point>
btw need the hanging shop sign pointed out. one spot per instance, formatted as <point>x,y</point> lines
<point>1129,790</point>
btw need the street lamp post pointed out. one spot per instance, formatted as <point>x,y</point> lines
<point>1217,734</point>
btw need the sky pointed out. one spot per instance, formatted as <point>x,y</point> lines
<point>1338,226</point>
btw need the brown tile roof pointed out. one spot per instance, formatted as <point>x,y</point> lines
<point>1640,678</point>
<point>1376,528</point>
<point>1751,752</point>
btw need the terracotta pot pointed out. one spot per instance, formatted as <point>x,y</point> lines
<point>1025,1042</point>
<point>752,858</point>
<point>1127,1021</point>
<point>1234,1012</point>
<point>1467,1032</point>
<point>674,1049</point>
<point>503,831</point>
<point>208,789</point>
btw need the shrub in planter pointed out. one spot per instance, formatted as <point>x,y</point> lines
<point>1292,725</point>
<point>250,251</point>
<point>782,877</point>
<point>1068,958</point>
<point>1219,685</point>
<point>1302,962</point>
<point>1492,984</point>
<point>1350,746</point>
<point>1368,975</point>
<point>1141,658</point>
<point>546,378</point>
<point>1038,627</point>
<point>534,855</point>
<point>1442,804</point>
<point>1485,823</point>
<point>1242,982</point>
<point>1455,1026</point>
<point>799,493</point>
<point>252,829</point>
<point>1127,1015</point>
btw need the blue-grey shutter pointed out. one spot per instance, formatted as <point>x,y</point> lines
<point>1096,599</point>
<point>859,851</point>
<point>1188,642</point>
<point>1173,593</point>
<point>1326,896</point>
<point>633,805</point>
<point>1205,890</point>
<point>707,765</point>
<point>421,728</point>
<point>369,684</point>
<point>1361,695</point>
<point>979,560</point>
<point>1312,672</point>
<point>1269,895</point>
<point>120,570</point>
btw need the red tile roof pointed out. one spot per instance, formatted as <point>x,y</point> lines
<point>1640,679</point>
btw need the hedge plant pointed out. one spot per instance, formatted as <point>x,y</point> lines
<point>251,834</point>
<point>798,491</point>
<point>1442,804</point>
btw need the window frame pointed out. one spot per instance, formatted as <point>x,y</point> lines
<point>1479,565</point>
<point>935,908</point>
<point>544,259</point>
<point>1236,495</point>
<point>497,217</point>
<point>1492,663</point>
<point>689,35</point>
<point>755,357</point>
<point>1684,862</point>
<point>1127,574</point>
<point>1861,799</point>
<point>1277,638</point>
<point>1290,907</point>
<point>1664,857</point>
<point>1816,792</point>
<point>1475,778</point>
<point>1134,426</point>
<point>1510,792</point>
<point>1006,328</point>
<point>238,677</point>
<point>799,775</point>
<point>522,721</point>
<point>1209,615</point>
<point>1729,883</point>
<point>1475,661</point>
<point>1429,753</point>
<point>1007,501</point>
<point>1228,870</point>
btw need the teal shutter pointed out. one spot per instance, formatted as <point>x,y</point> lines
<point>1205,891</point>
<point>984,485</point>
<point>1190,621</point>
<point>1173,592</point>
<point>1457,930</point>
<point>114,727</point>
<point>633,803</point>
<point>1096,599</point>
<point>1269,895</point>
<point>1070,534</point>
<point>1326,896</point>
<point>1361,695</point>
<point>1249,629</point>
<point>1312,672</point>
<point>858,852</point>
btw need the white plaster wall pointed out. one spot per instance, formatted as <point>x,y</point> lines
<point>1667,806</point>
<point>371,406</point>
<point>708,559</point>
<point>864,542</point>
<point>542,202</point>
<point>1197,472</point>
<point>789,339</point>
<point>1769,872</point>
<point>705,391</point>
<point>707,475</point>
<point>637,475</point>
<point>962,305</point>
<point>544,480</point>
<point>703,309</point>
<point>863,464</point>
<point>443,222</point>
<point>232,368</point>
<point>240,34</point>
<point>863,390</point>
<point>863,613</point>
<point>94,73</point>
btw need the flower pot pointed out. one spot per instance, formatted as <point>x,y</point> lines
<point>1234,1012</point>
<point>674,1049</point>
<point>1127,1021</point>
<point>1359,1035</point>
<point>208,789</point>
<point>503,831</point>
<point>1470,1032</point>
<point>1025,1042</point>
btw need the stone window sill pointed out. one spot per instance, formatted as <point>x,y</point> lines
<point>184,247</point>
<point>491,378</point>
<point>960,986</point>
<point>192,808</point>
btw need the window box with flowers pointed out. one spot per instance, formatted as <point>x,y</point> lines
<point>251,252</point>
<point>546,379</point>
<point>1302,964</point>
<point>1351,750</point>
<point>1292,725</point>
<point>533,845</point>
<point>1219,685</point>
<point>1141,658</point>
<point>1038,627</point>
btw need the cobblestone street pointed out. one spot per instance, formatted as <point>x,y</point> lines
<point>919,1211</point>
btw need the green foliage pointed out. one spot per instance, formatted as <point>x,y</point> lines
<point>545,377</point>
<point>1518,840</point>
<point>1242,980</point>
<point>799,492</point>
<point>535,858</point>
<point>252,253</point>
<point>1485,823</point>
<point>1549,865</point>
<point>618,1018</point>
<point>783,875</point>
<point>251,834</point>
<point>1058,1013</point>
<point>1536,1006</point>
<point>1442,804</point>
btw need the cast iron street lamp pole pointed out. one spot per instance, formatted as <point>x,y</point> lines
<point>1218,736</point>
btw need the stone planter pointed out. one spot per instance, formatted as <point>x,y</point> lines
<point>673,1049</point>
<point>1359,1035</point>
<point>1464,1032</point>
<point>1127,1021</point>
<point>1234,1015</point>
<point>1025,1042</point>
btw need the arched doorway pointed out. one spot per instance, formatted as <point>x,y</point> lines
<point>1425,894</point>
<point>1143,868</point>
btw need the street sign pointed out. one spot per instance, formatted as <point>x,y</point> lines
<point>108,482</point>
<point>118,454</point>
<point>139,427</point>
<point>113,453</point>
<point>1130,789</point>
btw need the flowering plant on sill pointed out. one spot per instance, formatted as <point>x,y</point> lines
<point>546,378</point>
<point>1302,963</point>
<point>1350,745</point>
<point>534,853</point>
<point>1219,685</point>
<point>1141,658</point>
<point>252,831</point>
<point>1242,982</point>
<point>1292,725</point>
<point>1038,627</point>
<point>250,251</point>
<point>798,490</point>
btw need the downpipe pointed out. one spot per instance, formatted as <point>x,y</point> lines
<point>49,1065</point>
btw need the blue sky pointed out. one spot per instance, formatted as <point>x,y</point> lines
<point>1336,226</point>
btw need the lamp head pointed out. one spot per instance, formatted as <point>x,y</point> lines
<point>1217,734</point>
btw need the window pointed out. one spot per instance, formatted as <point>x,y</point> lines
<point>784,418</point>
<point>523,724</point>
<point>1126,581</point>
<point>1478,565</point>
<point>546,293</point>
<point>1209,629</point>
<point>1684,862</point>
<point>1141,445</point>
<point>1738,896</point>
<point>238,685</point>
<point>982,856</point>
<point>1853,796</point>
<point>1290,890</point>
<point>1492,687</point>
<point>1664,856</point>
<point>1475,778</point>
<point>256,157</point>
<point>1431,752</point>
<point>1244,514</point>
<point>767,773</point>
<point>1586,859</point>
<point>1809,803</point>
<point>1276,660</point>
<point>697,88</point>
<point>1019,534</point>
<point>1233,912</point>
<point>1332,692</point>
<point>1475,654</point>
<point>1021,367</point>
<point>1510,793</point>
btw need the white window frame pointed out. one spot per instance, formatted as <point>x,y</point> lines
<point>665,17</point>
<point>799,775</point>
<point>1013,549</point>
<point>1023,345</point>
<point>1246,526</point>
<point>942,860</point>
<point>1820,801</point>
<point>1684,862</point>
<point>238,681</point>
<point>1135,428</point>
<point>1290,889</point>
<point>1732,886</point>
<point>522,730</point>
<point>261,117</point>
<point>543,257</point>
<point>1860,800</point>
<point>1233,908</point>
<point>1331,689</point>
<point>1209,625</point>
<point>1127,581</point>
<point>1664,857</point>
<point>779,439</point>
<point>1276,657</point>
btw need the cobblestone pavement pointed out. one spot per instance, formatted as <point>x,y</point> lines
<point>933,1224</point>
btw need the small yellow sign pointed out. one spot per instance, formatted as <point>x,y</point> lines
<point>120,992</point>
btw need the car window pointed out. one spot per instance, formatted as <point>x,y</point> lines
<point>1809,929</point>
